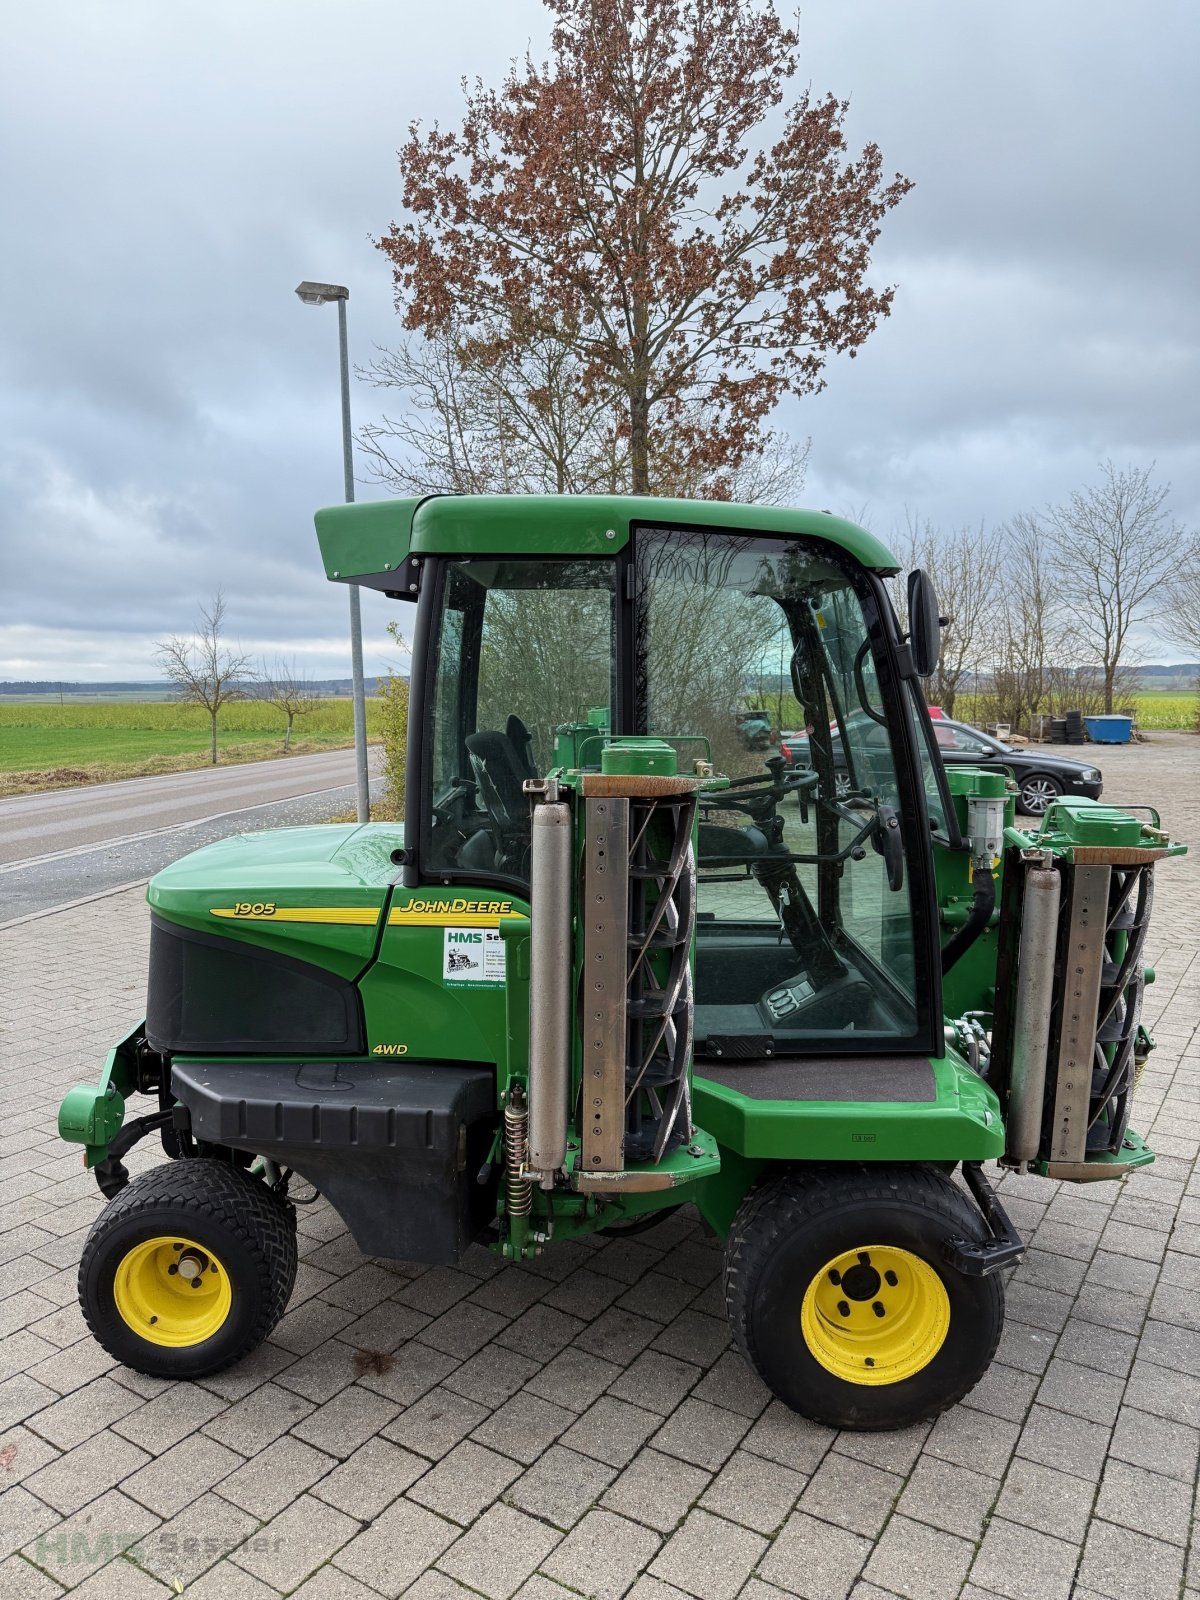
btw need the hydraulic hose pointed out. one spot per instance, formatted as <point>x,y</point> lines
<point>982,906</point>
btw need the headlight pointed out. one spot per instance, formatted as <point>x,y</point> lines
<point>1090,776</point>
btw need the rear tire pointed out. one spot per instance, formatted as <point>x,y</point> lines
<point>840,1298</point>
<point>188,1269</point>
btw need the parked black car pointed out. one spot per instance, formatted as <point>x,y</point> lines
<point>1041,776</point>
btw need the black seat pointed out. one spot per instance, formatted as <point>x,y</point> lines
<point>521,740</point>
<point>501,765</point>
<point>724,846</point>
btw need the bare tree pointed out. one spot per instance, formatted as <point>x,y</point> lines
<point>203,670</point>
<point>285,687</point>
<point>496,415</point>
<point>1180,620</point>
<point>1113,548</point>
<point>770,474</point>
<point>485,416</point>
<point>965,568</point>
<point>1033,636</point>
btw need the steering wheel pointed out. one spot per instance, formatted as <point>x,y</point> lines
<point>760,793</point>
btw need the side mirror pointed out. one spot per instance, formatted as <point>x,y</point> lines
<point>924,623</point>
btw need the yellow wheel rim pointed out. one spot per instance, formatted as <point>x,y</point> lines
<point>875,1315</point>
<point>171,1291</point>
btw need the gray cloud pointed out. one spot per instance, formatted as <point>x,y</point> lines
<point>168,410</point>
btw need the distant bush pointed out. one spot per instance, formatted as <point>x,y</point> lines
<point>393,729</point>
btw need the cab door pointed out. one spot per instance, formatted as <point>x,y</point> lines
<point>810,926</point>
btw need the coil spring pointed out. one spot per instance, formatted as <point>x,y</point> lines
<point>518,1189</point>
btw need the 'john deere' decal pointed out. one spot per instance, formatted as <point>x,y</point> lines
<point>460,911</point>
<point>472,958</point>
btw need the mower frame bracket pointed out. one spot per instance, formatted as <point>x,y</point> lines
<point>976,1258</point>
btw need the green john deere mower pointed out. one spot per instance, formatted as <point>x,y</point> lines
<point>617,961</point>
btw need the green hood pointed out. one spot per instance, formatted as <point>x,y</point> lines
<point>316,893</point>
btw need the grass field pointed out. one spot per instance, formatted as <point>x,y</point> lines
<point>45,745</point>
<point>1156,708</point>
<point>1166,708</point>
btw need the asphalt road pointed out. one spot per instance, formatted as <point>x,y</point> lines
<point>63,819</point>
<point>69,843</point>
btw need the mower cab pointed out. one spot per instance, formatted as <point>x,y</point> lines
<point>618,959</point>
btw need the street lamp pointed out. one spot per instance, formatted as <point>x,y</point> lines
<point>316,294</point>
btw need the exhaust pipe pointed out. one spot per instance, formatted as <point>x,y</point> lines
<point>1031,1020</point>
<point>549,988</point>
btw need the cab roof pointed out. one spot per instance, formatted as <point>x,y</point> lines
<point>369,542</point>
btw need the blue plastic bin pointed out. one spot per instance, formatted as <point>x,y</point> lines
<point>1109,729</point>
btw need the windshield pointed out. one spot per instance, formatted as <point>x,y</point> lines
<point>967,741</point>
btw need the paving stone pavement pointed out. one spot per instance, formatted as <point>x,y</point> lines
<point>581,1424</point>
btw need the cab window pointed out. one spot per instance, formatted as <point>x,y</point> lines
<point>524,656</point>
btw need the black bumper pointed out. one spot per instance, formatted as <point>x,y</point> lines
<point>393,1148</point>
<point>1090,790</point>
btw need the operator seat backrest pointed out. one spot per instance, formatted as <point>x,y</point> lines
<point>519,736</point>
<point>499,773</point>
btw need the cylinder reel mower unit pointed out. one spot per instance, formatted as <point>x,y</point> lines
<point>626,836</point>
<point>1070,1042</point>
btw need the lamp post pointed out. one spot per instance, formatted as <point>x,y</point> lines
<point>316,294</point>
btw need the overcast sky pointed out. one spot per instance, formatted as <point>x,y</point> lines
<point>168,409</point>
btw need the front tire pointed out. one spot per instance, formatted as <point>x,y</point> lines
<point>188,1269</point>
<point>840,1297</point>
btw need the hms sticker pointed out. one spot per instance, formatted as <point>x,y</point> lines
<point>472,958</point>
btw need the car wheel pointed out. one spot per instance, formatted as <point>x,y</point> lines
<point>1037,792</point>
